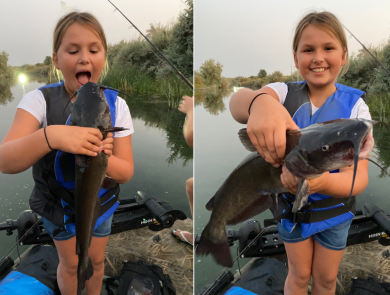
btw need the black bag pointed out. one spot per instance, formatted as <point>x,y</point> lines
<point>369,287</point>
<point>141,279</point>
<point>264,276</point>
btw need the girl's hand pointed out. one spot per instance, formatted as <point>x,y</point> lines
<point>74,139</point>
<point>266,127</point>
<point>186,105</point>
<point>289,181</point>
<point>319,183</point>
<point>107,144</point>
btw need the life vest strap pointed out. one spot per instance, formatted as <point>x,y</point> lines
<point>313,216</point>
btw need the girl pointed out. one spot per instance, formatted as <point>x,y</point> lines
<point>38,131</point>
<point>320,52</point>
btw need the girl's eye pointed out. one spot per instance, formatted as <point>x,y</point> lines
<point>93,51</point>
<point>328,48</point>
<point>72,52</point>
<point>307,50</point>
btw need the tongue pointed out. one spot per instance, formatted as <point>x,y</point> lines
<point>82,78</point>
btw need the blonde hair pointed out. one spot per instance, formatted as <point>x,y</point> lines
<point>328,22</point>
<point>85,19</point>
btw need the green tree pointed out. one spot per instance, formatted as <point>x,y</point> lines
<point>3,63</point>
<point>47,60</point>
<point>262,74</point>
<point>211,72</point>
<point>276,76</point>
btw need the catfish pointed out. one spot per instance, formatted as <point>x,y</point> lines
<point>90,109</point>
<point>252,186</point>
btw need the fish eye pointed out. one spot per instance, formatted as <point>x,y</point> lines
<point>325,147</point>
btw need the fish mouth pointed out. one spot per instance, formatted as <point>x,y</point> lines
<point>83,77</point>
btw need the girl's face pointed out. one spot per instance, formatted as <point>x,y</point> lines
<point>80,57</point>
<point>319,57</point>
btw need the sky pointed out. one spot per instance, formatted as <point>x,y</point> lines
<point>27,26</point>
<point>248,35</point>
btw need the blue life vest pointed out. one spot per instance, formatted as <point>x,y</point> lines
<point>68,181</point>
<point>337,106</point>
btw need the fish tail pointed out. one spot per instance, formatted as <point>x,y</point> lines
<point>219,248</point>
<point>83,275</point>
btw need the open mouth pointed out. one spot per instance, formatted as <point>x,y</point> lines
<point>83,77</point>
<point>319,70</point>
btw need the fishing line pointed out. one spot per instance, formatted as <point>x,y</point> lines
<point>387,71</point>
<point>22,238</point>
<point>177,71</point>
<point>238,256</point>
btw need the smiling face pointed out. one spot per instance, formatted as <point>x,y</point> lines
<point>80,57</point>
<point>319,57</point>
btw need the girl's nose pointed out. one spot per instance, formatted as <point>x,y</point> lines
<point>84,57</point>
<point>318,57</point>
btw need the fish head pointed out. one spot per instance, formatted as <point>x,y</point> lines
<point>328,146</point>
<point>90,109</point>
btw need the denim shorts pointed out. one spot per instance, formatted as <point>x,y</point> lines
<point>334,238</point>
<point>102,231</point>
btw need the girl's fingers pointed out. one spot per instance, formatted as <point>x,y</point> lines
<point>270,149</point>
<point>88,152</point>
<point>94,140</point>
<point>255,142</point>
<point>280,143</point>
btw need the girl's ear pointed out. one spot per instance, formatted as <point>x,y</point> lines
<point>296,61</point>
<point>343,57</point>
<point>55,61</point>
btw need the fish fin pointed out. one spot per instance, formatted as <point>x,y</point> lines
<point>83,276</point>
<point>77,247</point>
<point>82,161</point>
<point>108,183</point>
<point>258,205</point>
<point>301,196</point>
<point>210,204</point>
<point>218,248</point>
<point>246,141</point>
<point>112,129</point>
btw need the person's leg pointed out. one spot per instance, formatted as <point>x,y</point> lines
<point>190,193</point>
<point>67,268</point>
<point>300,258</point>
<point>96,254</point>
<point>326,264</point>
<point>328,251</point>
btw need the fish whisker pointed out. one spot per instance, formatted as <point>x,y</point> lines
<point>382,168</point>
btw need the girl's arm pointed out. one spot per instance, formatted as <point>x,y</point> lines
<point>187,106</point>
<point>267,122</point>
<point>337,185</point>
<point>24,143</point>
<point>120,164</point>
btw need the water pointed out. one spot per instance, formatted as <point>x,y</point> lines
<point>162,159</point>
<point>218,151</point>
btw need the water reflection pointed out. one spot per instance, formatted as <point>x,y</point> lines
<point>381,153</point>
<point>158,114</point>
<point>6,95</point>
<point>212,99</point>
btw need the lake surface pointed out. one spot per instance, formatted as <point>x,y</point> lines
<point>162,159</point>
<point>218,151</point>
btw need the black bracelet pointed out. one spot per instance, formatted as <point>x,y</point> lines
<point>249,110</point>
<point>44,131</point>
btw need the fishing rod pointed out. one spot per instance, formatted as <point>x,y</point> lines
<point>177,71</point>
<point>226,271</point>
<point>366,49</point>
